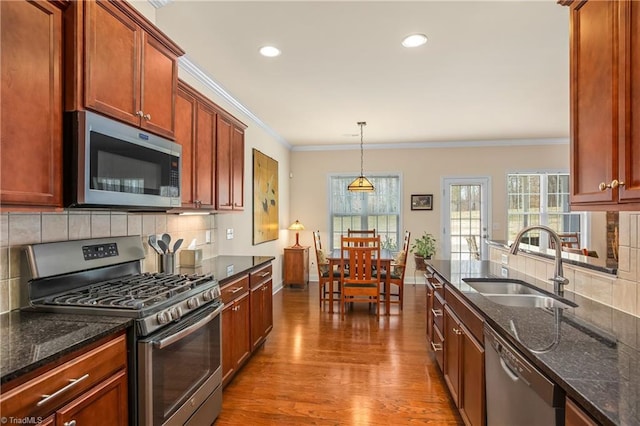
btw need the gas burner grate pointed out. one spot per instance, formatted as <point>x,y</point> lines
<point>133,292</point>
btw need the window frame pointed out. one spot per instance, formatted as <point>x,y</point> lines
<point>374,175</point>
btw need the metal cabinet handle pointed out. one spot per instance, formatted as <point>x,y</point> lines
<point>72,383</point>
<point>457,331</point>
<point>437,286</point>
<point>437,312</point>
<point>139,113</point>
<point>235,290</point>
<point>436,346</point>
<point>69,423</point>
<point>147,117</point>
<point>264,274</point>
<point>614,184</point>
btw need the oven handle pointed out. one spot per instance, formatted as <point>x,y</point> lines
<point>160,344</point>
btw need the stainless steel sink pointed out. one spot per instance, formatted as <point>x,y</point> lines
<point>516,293</point>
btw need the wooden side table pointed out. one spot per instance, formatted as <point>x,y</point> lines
<point>296,266</point>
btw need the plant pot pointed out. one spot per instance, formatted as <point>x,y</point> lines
<point>421,265</point>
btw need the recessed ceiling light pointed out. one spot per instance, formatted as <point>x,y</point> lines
<point>269,51</point>
<point>414,40</point>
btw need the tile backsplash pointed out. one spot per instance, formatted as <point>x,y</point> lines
<point>18,230</point>
<point>621,292</point>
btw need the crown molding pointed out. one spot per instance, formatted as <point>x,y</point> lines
<point>435,144</point>
<point>186,64</point>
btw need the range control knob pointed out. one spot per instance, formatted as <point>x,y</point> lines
<point>163,317</point>
<point>176,313</point>
<point>208,295</point>
<point>193,303</point>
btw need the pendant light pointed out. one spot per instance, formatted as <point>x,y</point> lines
<point>361,183</point>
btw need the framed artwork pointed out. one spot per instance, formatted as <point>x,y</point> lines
<point>265,198</point>
<point>421,201</point>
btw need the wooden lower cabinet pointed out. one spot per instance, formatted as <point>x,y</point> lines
<point>103,404</point>
<point>575,416</point>
<point>261,305</point>
<point>95,388</point>
<point>296,266</point>
<point>236,344</point>
<point>464,369</point>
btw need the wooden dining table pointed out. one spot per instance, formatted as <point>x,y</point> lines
<point>386,257</point>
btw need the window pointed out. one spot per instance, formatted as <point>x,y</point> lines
<point>541,199</point>
<point>379,210</point>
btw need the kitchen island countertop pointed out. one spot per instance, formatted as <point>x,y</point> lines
<point>595,358</point>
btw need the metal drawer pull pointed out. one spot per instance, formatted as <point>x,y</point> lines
<point>70,423</point>
<point>456,331</point>
<point>235,290</point>
<point>264,274</point>
<point>437,312</point>
<point>437,286</point>
<point>72,383</point>
<point>436,347</point>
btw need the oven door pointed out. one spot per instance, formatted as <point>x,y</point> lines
<point>179,370</point>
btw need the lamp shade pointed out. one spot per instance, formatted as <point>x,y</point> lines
<point>361,184</point>
<point>297,226</point>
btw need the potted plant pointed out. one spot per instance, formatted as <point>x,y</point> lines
<point>423,248</point>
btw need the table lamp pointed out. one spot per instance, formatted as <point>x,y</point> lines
<point>297,226</point>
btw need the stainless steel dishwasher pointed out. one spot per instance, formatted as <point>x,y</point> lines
<point>517,392</point>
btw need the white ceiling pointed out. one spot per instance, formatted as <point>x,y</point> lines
<point>490,70</point>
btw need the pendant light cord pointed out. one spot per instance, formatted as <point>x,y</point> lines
<point>361,124</point>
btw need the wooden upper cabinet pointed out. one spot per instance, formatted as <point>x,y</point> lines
<point>31,104</point>
<point>212,152</point>
<point>605,134</point>
<point>123,66</point>
<point>230,164</point>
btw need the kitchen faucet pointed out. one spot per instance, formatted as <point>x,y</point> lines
<point>558,280</point>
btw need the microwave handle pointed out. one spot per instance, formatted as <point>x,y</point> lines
<point>168,341</point>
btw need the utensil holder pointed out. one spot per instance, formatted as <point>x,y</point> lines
<point>167,263</point>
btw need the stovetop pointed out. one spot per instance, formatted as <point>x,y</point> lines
<point>135,292</point>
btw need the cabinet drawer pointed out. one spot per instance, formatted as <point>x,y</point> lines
<point>235,289</point>
<point>470,318</point>
<point>437,346</point>
<point>45,393</point>
<point>438,311</point>
<point>436,281</point>
<point>261,275</point>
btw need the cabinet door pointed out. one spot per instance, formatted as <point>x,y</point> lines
<point>629,156</point>
<point>112,62</point>
<point>105,403</point>
<point>228,362</point>
<point>257,316</point>
<point>429,312</point>
<point>452,354</point>
<point>205,155</point>
<point>158,87</point>
<point>472,405</point>
<point>186,105</point>
<point>31,104</point>
<point>241,330</point>
<point>575,416</point>
<point>237,175</point>
<point>224,164</point>
<point>594,105</point>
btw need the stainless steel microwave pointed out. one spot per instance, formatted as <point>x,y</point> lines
<point>111,164</point>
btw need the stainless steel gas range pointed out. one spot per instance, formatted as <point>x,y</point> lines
<point>175,346</point>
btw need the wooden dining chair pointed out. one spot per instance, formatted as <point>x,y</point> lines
<point>361,284</point>
<point>326,277</point>
<point>371,233</point>
<point>396,279</point>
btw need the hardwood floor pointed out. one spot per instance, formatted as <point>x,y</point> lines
<point>315,369</point>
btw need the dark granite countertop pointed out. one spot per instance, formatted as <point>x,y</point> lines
<point>226,268</point>
<point>33,339</point>
<point>596,357</point>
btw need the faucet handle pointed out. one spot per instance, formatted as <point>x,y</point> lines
<point>560,280</point>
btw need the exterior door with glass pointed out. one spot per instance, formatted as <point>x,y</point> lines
<point>465,218</point>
